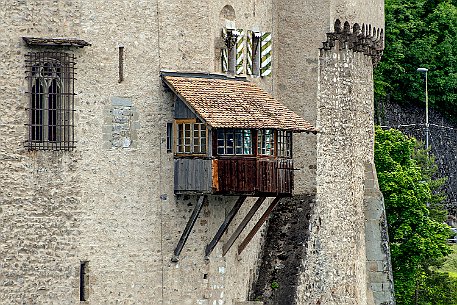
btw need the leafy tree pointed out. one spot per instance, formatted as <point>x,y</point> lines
<point>419,33</point>
<point>429,169</point>
<point>437,289</point>
<point>417,239</point>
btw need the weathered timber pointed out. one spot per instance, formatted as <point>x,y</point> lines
<point>193,175</point>
<point>237,175</point>
<point>188,229</point>
<point>181,111</point>
<point>259,223</point>
<point>285,172</point>
<point>226,247</point>
<point>224,226</point>
<point>275,176</point>
<point>234,176</point>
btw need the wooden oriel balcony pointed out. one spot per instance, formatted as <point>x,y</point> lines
<point>229,137</point>
<point>234,176</point>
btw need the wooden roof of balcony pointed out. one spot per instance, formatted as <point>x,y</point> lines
<point>223,102</point>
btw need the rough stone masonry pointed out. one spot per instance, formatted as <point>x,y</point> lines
<point>109,203</point>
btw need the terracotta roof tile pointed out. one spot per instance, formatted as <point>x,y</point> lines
<point>227,103</point>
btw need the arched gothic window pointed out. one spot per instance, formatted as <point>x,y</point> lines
<point>51,109</point>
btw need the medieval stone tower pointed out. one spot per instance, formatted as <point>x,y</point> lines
<point>146,143</point>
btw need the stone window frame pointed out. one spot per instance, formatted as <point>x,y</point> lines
<point>230,36</point>
<point>50,76</point>
<point>256,51</point>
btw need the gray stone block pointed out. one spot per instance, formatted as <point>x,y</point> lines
<point>121,101</point>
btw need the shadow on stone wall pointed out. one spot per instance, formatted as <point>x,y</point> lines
<point>283,252</point>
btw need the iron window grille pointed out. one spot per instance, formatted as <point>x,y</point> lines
<point>234,142</point>
<point>50,78</point>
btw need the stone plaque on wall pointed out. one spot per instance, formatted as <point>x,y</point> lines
<point>120,124</point>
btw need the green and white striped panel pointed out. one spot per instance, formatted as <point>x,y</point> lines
<point>240,52</point>
<point>265,54</point>
<point>224,52</point>
<point>249,53</point>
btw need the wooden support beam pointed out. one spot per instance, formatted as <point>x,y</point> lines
<point>190,224</point>
<point>242,225</point>
<point>259,223</point>
<point>224,226</point>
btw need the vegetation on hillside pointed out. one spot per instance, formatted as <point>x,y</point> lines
<point>415,217</point>
<point>450,265</point>
<point>419,33</point>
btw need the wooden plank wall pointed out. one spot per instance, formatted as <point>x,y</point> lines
<point>285,176</point>
<point>274,176</point>
<point>237,175</point>
<point>181,111</point>
<point>234,176</point>
<point>193,175</point>
<point>267,176</point>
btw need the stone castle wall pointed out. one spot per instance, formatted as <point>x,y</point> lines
<point>344,144</point>
<point>340,104</point>
<point>110,202</point>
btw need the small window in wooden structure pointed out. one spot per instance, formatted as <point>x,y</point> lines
<point>191,137</point>
<point>265,142</point>
<point>234,142</point>
<point>51,108</point>
<point>284,144</point>
<point>169,137</point>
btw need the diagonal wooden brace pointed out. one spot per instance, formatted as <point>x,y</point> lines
<point>190,224</point>
<point>242,225</point>
<point>224,226</point>
<point>259,223</point>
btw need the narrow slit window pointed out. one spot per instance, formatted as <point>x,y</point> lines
<point>121,64</point>
<point>84,281</point>
<point>256,53</point>
<point>232,59</point>
<point>169,136</point>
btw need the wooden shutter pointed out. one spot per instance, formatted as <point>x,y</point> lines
<point>240,53</point>
<point>249,53</point>
<point>265,54</point>
<point>224,52</point>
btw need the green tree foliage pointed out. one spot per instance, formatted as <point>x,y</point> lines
<point>418,239</point>
<point>437,289</point>
<point>419,33</point>
<point>429,168</point>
